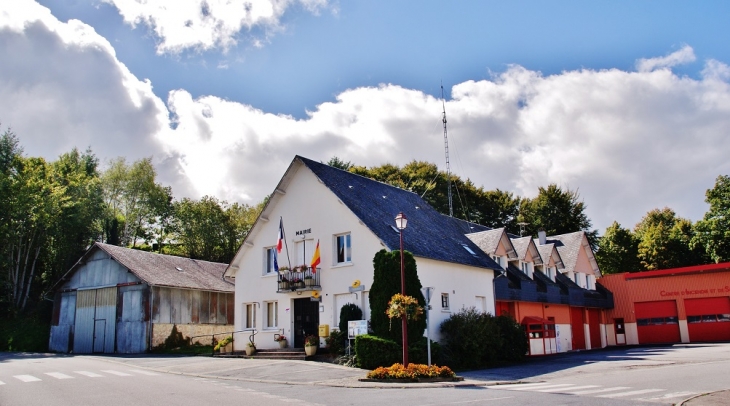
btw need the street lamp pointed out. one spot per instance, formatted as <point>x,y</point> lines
<point>400,223</point>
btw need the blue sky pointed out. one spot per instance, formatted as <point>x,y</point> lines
<point>627,101</point>
<point>415,45</point>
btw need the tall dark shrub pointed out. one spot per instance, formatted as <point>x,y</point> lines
<point>471,339</point>
<point>349,312</point>
<point>386,283</point>
<point>514,338</point>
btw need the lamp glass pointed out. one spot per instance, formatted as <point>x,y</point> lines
<point>401,221</point>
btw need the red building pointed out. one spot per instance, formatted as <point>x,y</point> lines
<point>684,305</point>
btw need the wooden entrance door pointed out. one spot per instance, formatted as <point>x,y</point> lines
<point>306,320</point>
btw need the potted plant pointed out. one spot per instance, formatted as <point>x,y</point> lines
<point>283,283</point>
<point>250,348</point>
<point>311,342</point>
<point>224,345</point>
<point>297,283</point>
<point>308,280</point>
<point>281,339</point>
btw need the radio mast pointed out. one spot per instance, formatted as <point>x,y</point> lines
<point>446,149</point>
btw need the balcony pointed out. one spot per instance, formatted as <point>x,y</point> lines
<point>298,279</point>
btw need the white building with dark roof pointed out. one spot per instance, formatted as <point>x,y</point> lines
<point>353,218</point>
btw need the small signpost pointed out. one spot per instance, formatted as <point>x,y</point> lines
<point>354,329</point>
<point>427,295</point>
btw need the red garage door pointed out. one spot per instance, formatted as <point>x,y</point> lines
<point>708,319</point>
<point>657,322</point>
<point>577,319</point>
<point>594,328</point>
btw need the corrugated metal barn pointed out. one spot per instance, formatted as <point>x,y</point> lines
<point>119,300</point>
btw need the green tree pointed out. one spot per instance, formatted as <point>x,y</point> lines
<point>713,231</point>
<point>556,211</point>
<point>339,164</point>
<point>80,208</point>
<point>210,229</point>
<point>137,207</point>
<point>386,283</point>
<point>664,241</point>
<point>618,251</point>
<point>494,208</point>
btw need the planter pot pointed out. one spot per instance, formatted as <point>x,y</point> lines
<point>298,285</point>
<point>309,282</point>
<point>227,348</point>
<point>310,350</point>
<point>250,350</point>
<point>283,285</point>
<point>282,344</point>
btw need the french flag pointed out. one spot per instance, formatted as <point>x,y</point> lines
<point>280,239</point>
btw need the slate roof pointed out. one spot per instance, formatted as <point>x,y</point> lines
<point>521,245</point>
<point>487,240</point>
<point>568,245</point>
<point>546,251</point>
<point>429,234</point>
<point>166,270</point>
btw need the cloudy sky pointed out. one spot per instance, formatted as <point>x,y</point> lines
<point>628,102</point>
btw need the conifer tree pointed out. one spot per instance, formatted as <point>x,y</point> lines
<point>386,283</point>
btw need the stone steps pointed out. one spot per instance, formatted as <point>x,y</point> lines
<point>278,353</point>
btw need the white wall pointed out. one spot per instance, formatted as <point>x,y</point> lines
<point>308,204</point>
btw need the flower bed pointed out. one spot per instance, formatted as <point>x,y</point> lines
<point>412,372</point>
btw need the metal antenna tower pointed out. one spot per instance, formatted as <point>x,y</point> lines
<point>446,149</point>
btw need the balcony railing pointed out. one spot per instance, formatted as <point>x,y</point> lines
<point>298,279</point>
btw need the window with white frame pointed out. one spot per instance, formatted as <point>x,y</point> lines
<point>343,249</point>
<point>527,268</point>
<point>249,316</point>
<point>445,301</point>
<point>272,314</point>
<point>269,260</point>
<point>550,271</point>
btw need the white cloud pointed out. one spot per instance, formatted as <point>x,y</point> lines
<point>205,24</point>
<point>684,55</point>
<point>63,87</point>
<point>629,141</point>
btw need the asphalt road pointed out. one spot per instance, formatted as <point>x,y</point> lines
<point>628,376</point>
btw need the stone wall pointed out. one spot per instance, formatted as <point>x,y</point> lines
<point>160,332</point>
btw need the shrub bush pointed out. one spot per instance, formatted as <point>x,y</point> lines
<point>474,339</point>
<point>349,312</point>
<point>418,352</point>
<point>372,351</point>
<point>336,342</point>
<point>514,338</point>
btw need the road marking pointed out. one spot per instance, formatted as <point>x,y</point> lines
<point>89,374</point>
<point>59,375</point>
<point>592,391</point>
<point>26,378</point>
<point>139,371</point>
<point>567,390</point>
<point>117,373</point>
<point>630,393</point>
<point>2,383</point>
<point>672,395</point>
<point>535,388</point>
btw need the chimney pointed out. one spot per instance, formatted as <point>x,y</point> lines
<point>542,236</point>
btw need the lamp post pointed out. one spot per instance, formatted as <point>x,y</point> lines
<point>400,222</point>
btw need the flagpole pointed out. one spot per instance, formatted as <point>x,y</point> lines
<point>288,260</point>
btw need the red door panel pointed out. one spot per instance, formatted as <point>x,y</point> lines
<point>708,319</point>
<point>657,322</point>
<point>594,328</point>
<point>577,320</point>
